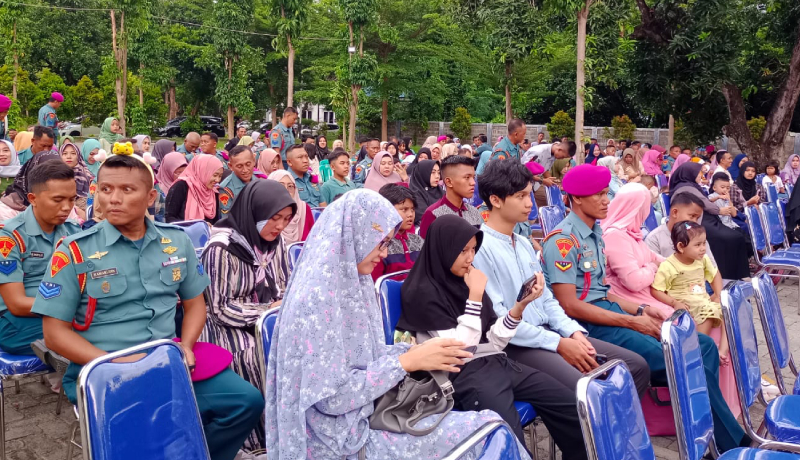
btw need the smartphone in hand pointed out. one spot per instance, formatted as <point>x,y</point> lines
<point>527,288</point>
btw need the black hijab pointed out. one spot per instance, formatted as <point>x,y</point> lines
<point>685,176</point>
<point>420,185</point>
<point>259,200</point>
<point>747,186</point>
<point>17,192</point>
<point>415,162</point>
<point>231,144</point>
<point>793,210</point>
<point>322,154</point>
<point>311,151</point>
<point>433,297</point>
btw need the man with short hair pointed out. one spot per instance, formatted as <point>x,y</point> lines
<point>507,148</point>
<point>208,146</point>
<point>43,139</point>
<point>282,137</point>
<point>483,145</point>
<point>539,139</point>
<point>241,132</point>
<point>724,161</point>
<point>575,269</point>
<point>308,191</point>
<point>190,144</point>
<point>458,175</point>
<point>371,147</point>
<point>47,114</point>
<point>545,155</point>
<point>674,151</point>
<point>242,162</point>
<point>525,145</point>
<point>635,145</point>
<point>26,244</point>
<point>339,184</point>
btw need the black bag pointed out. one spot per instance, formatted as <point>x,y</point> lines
<point>417,396</point>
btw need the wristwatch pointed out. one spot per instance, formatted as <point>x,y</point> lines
<point>640,311</point>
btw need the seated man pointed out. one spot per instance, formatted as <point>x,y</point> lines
<point>133,271</point>
<point>242,163</point>
<point>26,244</point>
<point>458,174</point>
<point>298,161</point>
<point>547,339</point>
<point>190,144</point>
<point>575,268</point>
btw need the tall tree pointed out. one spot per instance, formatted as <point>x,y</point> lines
<point>292,14</point>
<point>360,65</point>
<point>15,38</point>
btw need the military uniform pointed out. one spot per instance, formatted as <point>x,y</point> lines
<point>25,155</point>
<point>505,150</point>
<point>574,253</point>
<point>362,168</point>
<point>118,293</point>
<point>228,190</point>
<point>48,117</point>
<point>308,191</point>
<point>26,252</point>
<point>187,154</point>
<point>280,139</point>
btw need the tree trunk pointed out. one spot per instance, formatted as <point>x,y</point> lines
<point>583,17</point>
<point>195,109</point>
<point>230,122</point>
<point>141,84</point>
<point>120,50</point>
<point>16,64</point>
<point>385,119</point>
<point>290,71</point>
<point>274,109</point>
<point>738,128</point>
<point>780,117</point>
<point>671,135</point>
<point>231,127</point>
<point>172,101</point>
<point>351,141</point>
<point>509,111</point>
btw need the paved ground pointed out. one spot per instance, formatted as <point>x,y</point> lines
<point>35,432</point>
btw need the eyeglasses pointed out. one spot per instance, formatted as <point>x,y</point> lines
<point>385,243</point>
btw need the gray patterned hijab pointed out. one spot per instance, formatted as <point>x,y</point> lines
<point>329,325</point>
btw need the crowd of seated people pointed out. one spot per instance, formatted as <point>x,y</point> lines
<point>600,286</point>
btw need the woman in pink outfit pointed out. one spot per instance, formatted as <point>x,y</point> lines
<point>631,265</point>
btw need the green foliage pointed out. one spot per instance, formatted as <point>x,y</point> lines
<point>757,126</point>
<point>137,120</point>
<point>192,124</point>
<point>623,127</point>
<point>561,125</point>
<point>87,100</point>
<point>15,118</point>
<point>461,124</point>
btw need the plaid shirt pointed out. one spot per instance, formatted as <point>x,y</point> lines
<point>738,201</point>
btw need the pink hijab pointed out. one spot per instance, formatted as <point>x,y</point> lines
<point>628,210</point>
<point>264,165</point>
<point>201,202</point>
<point>652,162</point>
<point>682,158</point>
<point>375,180</point>
<point>294,231</point>
<point>165,176</point>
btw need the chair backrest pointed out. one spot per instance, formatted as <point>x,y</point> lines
<point>775,333</point>
<point>265,326</point>
<point>534,214</point>
<point>662,180</point>
<point>198,230</point>
<point>651,223</point>
<point>789,189</point>
<point>772,192</point>
<point>550,216</point>
<point>316,213</point>
<point>499,443</point>
<point>782,203</point>
<point>554,198</point>
<point>388,288</point>
<point>688,388</point>
<point>757,235</point>
<point>743,344</point>
<point>476,198</point>
<point>664,199</point>
<point>89,211</point>
<point>293,254</point>
<point>611,416</point>
<point>773,223</point>
<point>144,409</point>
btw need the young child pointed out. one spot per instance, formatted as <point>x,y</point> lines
<point>721,186</point>
<point>680,281</point>
<point>772,177</point>
<point>650,182</point>
<point>404,248</point>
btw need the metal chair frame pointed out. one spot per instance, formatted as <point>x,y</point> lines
<point>13,378</point>
<point>291,259</point>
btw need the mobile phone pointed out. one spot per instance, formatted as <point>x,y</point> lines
<point>471,349</point>
<point>600,359</point>
<point>527,288</point>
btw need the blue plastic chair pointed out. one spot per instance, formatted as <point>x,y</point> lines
<point>316,213</point>
<point>14,368</point>
<point>611,419</point>
<point>500,443</point>
<point>777,337</point>
<point>782,415</point>
<point>265,326</point>
<point>550,217</point>
<point>554,198</point>
<point>781,260</point>
<point>664,199</point>
<point>141,410</point>
<point>772,192</point>
<point>293,252</point>
<point>534,214</point>
<point>476,198</point>
<point>388,290</point>
<point>789,189</point>
<point>662,180</point>
<point>651,223</point>
<point>198,230</point>
<point>774,224</point>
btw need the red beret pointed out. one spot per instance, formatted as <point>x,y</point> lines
<point>534,167</point>
<point>586,180</point>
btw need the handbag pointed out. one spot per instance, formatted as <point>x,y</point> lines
<point>417,396</point>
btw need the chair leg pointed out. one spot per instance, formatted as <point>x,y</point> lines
<point>2,423</point>
<point>534,440</point>
<point>16,386</point>
<point>71,441</point>
<point>60,402</point>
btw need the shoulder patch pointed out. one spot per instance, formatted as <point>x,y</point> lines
<point>6,245</point>
<point>563,265</point>
<point>275,134</point>
<point>564,246</point>
<point>51,115</point>
<point>20,241</point>
<point>49,290</point>
<point>59,261</point>
<point>93,188</point>
<point>359,168</point>
<point>485,215</point>
<point>7,267</point>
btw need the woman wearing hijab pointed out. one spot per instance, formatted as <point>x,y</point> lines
<point>746,191</point>
<point>109,133</point>
<point>246,140</point>
<point>730,247</point>
<point>593,154</point>
<point>172,166</point>
<point>652,162</point>
<point>15,197</point>
<point>423,154</point>
<point>735,168</point>
<point>89,151</point>
<point>424,184</point>
<point>142,143</point>
<point>9,164</point>
<point>385,171</point>
<point>560,168</point>
<point>71,155</point>
<point>631,265</point>
<point>318,402</point>
<point>791,171</point>
<point>23,140</point>
<point>161,149</point>
<point>682,158</point>
<point>194,195</point>
<point>298,229</point>
<point>268,162</point>
<point>233,142</point>
<point>610,163</point>
<point>321,147</point>
<point>444,296</point>
<point>792,215</point>
<point>246,262</point>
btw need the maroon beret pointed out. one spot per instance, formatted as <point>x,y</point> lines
<point>586,180</point>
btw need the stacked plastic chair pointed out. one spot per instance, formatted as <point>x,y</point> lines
<point>293,254</point>
<point>199,232</point>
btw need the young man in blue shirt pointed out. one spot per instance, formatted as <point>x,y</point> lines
<point>547,339</point>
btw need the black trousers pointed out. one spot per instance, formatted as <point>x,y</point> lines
<point>495,382</point>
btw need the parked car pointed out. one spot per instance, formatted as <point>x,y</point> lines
<point>173,126</point>
<point>313,131</point>
<point>75,128</point>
